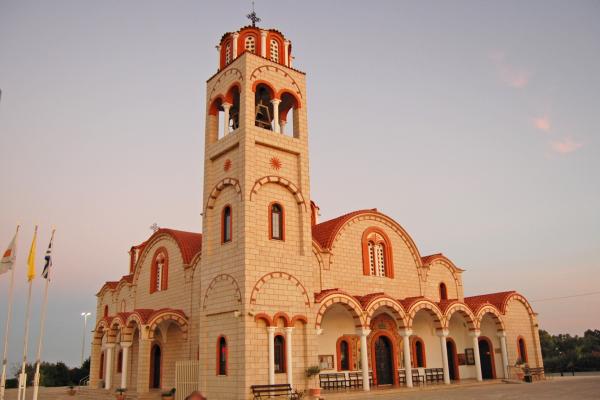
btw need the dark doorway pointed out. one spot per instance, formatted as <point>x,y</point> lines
<point>486,356</point>
<point>384,361</point>
<point>452,360</point>
<point>155,366</point>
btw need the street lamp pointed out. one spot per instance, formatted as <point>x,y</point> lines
<point>85,316</point>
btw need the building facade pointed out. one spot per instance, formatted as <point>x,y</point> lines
<point>267,291</point>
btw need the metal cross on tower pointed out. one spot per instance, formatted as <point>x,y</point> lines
<point>252,16</point>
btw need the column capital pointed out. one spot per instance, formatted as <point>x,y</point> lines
<point>288,329</point>
<point>363,331</point>
<point>406,332</point>
<point>475,333</point>
<point>236,34</point>
<point>318,331</point>
<point>109,345</point>
<point>226,105</point>
<point>271,329</point>
<point>442,333</point>
<point>125,344</point>
<point>275,101</point>
<point>263,33</point>
<point>501,334</point>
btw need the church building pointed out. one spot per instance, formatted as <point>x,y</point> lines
<point>267,290</point>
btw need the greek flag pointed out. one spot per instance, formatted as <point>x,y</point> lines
<point>48,258</point>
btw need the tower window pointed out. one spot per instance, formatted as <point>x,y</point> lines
<point>279,354</point>
<point>222,355</point>
<point>250,44</point>
<point>276,222</point>
<point>443,291</point>
<point>228,53</point>
<point>274,51</point>
<point>226,225</point>
<point>106,311</point>
<point>377,258</point>
<point>159,271</point>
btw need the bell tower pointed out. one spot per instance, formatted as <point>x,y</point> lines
<point>257,240</point>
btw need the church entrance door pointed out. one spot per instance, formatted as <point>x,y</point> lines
<point>155,367</point>
<point>487,359</point>
<point>384,361</point>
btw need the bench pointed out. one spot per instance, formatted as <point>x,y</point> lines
<point>402,376</point>
<point>333,381</point>
<point>417,378</point>
<point>355,379</point>
<point>270,391</point>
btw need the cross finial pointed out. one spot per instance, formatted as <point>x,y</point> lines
<point>252,16</point>
<point>154,227</point>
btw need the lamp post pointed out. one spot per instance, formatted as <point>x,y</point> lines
<point>85,316</point>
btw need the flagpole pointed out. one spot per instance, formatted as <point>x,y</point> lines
<point>23,375</point>
<point>36,379</point>
<point>7,328</point>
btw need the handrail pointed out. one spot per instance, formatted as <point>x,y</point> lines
<point>84,381</point>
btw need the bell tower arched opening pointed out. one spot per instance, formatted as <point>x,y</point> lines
<point>263,106</point>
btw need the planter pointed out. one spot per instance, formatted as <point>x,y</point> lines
<point>520,375</point>
<point>315,392</point>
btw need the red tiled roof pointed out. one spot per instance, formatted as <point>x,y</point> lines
<point>190,243</point>
<point>445,304</point>
<point>498,300</point>
<point>408,302</point>
<point>427,259</point>
<point>365,300</point>
<point>324,233</point>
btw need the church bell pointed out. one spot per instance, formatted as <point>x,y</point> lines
<point>263,116</point>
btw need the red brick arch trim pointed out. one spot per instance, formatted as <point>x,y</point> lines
<point>267,84</point>
<point>229,92</point>
<point>281,315</point>
<point>298,318</point>
<point>100,330</point>
<point>348,302</point>
<point>430,308</point>
<point>168,315</point>
<point>237,76</point>
<point>219,187</point>
<point>265,318</point>
<point>390,305</point>
<point>494,312</point>
<point>277,180</point>
<point>281,92</point>
<point>221,278</point>
<point>279,275</point>
<point>256,74</point>
<point>462,309</point>
<point>517,297</point>
<point>135,319</point>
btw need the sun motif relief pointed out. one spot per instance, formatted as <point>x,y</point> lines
<point>275,163</point>
<point>227,165</point>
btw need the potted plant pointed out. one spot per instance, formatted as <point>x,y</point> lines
<point>120,393</point>
<point>170,395</point>
<point>71,391</point>
<point>311,372</point>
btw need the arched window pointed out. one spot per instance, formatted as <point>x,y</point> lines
<point>418,359</point>
<point>274,51</point>
<point>276,222</point>
<point>443,291</point>
<point>377,254</point>
<point>522,348</point>
<point>159,272</point>
<point>123,305</point>
<point>120,362</point>
<point>279,354</point>
<point>226,225</point>
<point>250,44</point>
<point>344,355</point>
<point>106,310</point>
<point>222,356</point>
<point>228,53</point>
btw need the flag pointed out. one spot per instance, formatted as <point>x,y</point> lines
<point>9,256</point>
<point>31,258</point>
<point>48,259</point>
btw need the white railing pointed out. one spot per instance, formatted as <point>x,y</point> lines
<point>187,375</point>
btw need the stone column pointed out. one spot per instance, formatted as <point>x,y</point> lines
<point>275,103</point>
<point>288,354</point>
<point>475,335</point>
<point>226,108</point>
<point>271,339</point>
<point>95,364</point>
<point>502,336</point>
<point>364,358</point>
<point>125,363</point>
<point>143,372</point>
<point>443,334</point>
<point>406,349</point>
<point>286,53</point>
<point>263,43</point>
<point>219,57</point>
<point>235,45</point>
<point>282,125</point>
<point>108,361</point>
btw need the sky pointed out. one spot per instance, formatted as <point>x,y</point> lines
<point>473,124</point>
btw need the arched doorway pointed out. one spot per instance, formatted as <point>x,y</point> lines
<point>155,367</point>
<point>452,359</point>
<point>384,361</point>
<point>486,356</point>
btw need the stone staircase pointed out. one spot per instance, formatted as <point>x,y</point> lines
<point>87,393</point>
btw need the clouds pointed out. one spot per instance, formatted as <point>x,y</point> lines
<point>565,146</point>
<point>542,123</point>
<point>511,75</point>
